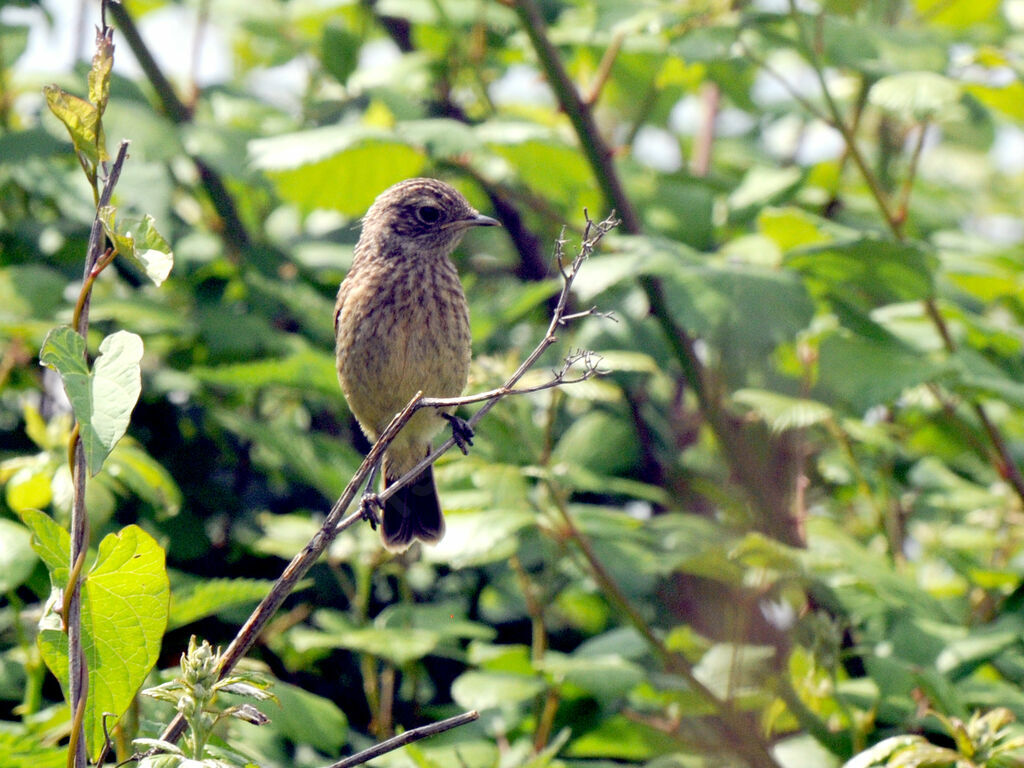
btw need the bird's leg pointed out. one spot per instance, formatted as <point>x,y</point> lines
<point>462,433</point>
<point>370,504</point>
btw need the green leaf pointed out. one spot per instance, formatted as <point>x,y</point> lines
<point>916,96</point>
<point>864,373</point>
<point>208,597</point>
<point>145,246</point>
<point>761,186</point>
<point>17,559</point>
<point>51,542</point>
<point>476,538</point>
<point>102,399</point>
<point>957,14</point>
<point>782,412</point>
<point>29,750</point>
<point>339,51</point>
<point>82,121</point>
<point>99,73</point>
<point>124,613</point>
<point>399,645</point>
<point>867,271</point>
<point>341,167</point>
<point>620,738</point>
<point>308,719</point>
<point>494,690</point>
<point>606,677</point>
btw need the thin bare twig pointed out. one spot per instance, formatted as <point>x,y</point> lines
<point>396,742</point>
<point>335,522</point>
<point>593,233</point>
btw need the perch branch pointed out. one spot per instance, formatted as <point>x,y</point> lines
<point>335,522</point>
<point>593,233</point>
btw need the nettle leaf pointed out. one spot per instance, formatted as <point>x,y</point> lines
<point>868,270</point>
<point>210,596</point>
<point>307,167</point>
<point>103,398</point>
<point>140,242</point>
<point>125,598</point>
<point>864,373</point>
<point>82,121</point>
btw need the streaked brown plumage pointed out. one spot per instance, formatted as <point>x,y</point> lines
<point>401,326</point>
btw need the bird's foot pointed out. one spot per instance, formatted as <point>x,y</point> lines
<point>370,507</point>
<point>462,433</point>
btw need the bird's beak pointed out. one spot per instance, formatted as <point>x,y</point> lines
<point>476,221</point>
<point>484,221</point>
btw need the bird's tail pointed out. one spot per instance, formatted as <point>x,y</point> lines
<point>414,512</point>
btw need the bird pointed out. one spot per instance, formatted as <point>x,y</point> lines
<point>401,326</point>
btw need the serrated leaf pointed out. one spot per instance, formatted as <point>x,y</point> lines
<point>306,167</point>
<point>102,399</point>
<point>82,121</point>
<point>124,613</point>
<point>306,718</point>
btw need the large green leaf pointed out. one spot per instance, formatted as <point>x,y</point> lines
<point>864,372</point>
<point>125,596</point>
<point>102,399</point>
<point>341,167</point>
<point>867,270</point>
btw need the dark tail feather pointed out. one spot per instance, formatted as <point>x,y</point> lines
<point>414,512</point>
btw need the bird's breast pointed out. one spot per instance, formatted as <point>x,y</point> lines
<point>403,328</point>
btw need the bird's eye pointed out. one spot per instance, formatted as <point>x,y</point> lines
<point>428,214</point>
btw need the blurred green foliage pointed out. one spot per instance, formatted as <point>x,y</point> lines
<point>784,528</point>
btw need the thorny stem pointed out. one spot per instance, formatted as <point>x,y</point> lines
<point>335,522</point>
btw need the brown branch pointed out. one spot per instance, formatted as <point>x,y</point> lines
<point>593,233</point>
<point>399,741</point>
<point>336,521</point>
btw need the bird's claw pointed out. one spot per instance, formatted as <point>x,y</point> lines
<point>462,433</point>
<point>369,508</point>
